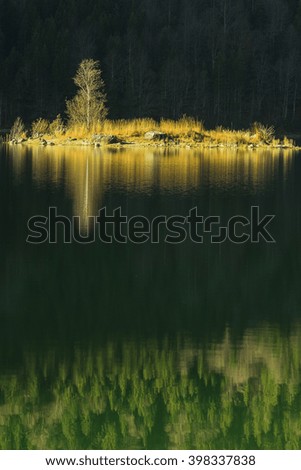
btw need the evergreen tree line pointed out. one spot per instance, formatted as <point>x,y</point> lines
<point>227,62</point>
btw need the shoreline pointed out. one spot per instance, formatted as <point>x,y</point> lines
<point>183,133</point>
<point>147,144</point>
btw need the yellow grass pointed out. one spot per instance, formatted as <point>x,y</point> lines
<point>129,128</point>
<point>183,126</point>
<point>186,130</point>
<point>138,127</point>
<point>227,136</point>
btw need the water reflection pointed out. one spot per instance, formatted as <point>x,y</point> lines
<point>151,346</point>
<point>87,174</point>
<point>175,393</point>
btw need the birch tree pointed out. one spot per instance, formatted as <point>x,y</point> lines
<point>89,104</point>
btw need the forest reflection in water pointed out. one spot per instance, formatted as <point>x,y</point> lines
<point>173,393</point>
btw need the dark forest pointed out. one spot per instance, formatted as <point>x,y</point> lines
<point>226,62</point>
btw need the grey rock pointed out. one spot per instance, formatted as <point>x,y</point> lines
<point>111,139</point>
<point>155,135</point>
<point>97,137</point>
<point>196,136</point>
<point>105,139</point>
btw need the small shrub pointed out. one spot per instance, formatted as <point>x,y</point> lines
<point>39,127</point>
<point>276,143</point>
<point>287,142</point>
<point>18,129</point>
<point>265,133</point>
<point>56,127</point>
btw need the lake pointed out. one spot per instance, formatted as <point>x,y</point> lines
<point>150,346</point>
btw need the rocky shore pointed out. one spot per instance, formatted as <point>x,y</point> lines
<point>150,138</point>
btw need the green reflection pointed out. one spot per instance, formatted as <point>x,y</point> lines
<point>174,393</point>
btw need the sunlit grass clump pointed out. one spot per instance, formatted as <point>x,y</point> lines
<point>139,127</point>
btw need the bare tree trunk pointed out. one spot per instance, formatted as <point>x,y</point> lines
<point>295,99</point>
<point>0,111</point>
<point>88,108</point>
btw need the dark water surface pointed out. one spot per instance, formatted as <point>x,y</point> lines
<point>150,346</point>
